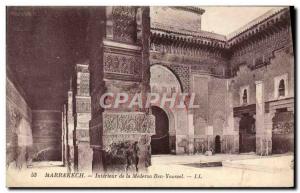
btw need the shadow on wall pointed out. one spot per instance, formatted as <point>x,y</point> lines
<point>49,154</point>
<point>128,155</point>
<point>46,130</point>
<point>18,128</point>
<point>184,143</point>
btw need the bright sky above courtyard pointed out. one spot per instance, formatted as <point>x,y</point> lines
<point>224,20</point>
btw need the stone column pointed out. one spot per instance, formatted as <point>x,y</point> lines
<point>82,116</point>
<point>236,145</point>
<point>191,132</point>
<point>70,133</point>
<point>95,36</point>
<point>232,134</point>
<point>262,135</point>
<point>121,135</point>
<point>64,135</point>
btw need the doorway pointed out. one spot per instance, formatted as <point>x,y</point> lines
<point>218,144</point>
<point>160,141</point>
<point>283,131</point>
<point>247,134</point>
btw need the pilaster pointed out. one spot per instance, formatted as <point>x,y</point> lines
<point>120,135</point>
<point>70,132</point>
<point>263,135</point>
<point>82,116</point>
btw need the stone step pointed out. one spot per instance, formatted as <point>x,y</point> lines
<point>205,164</point>
<point>210,164</point>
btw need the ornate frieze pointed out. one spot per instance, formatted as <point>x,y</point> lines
<point>83,105</point>
<point>124,24</point>
<point>128,123</point>
<point>119,66</point>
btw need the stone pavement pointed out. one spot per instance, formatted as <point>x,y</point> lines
<point>229,176</point>
<point>185,159</point>
<point>263,164</point>
<point>181,170</point>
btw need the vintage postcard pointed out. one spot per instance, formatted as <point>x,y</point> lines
<point>131,96</point>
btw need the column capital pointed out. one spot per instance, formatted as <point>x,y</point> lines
<point>259,82</point>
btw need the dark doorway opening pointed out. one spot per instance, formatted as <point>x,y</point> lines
<point>283,131</point>
<point>218,144</point>
<point>160,141</point>
<point>247,134</point>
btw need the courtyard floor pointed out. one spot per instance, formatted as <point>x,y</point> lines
<point>242,170</point>
<point>248,170</point>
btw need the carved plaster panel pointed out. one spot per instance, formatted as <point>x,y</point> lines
<point>118,66</point>
<point>124,24</point>
<point>128,122</point>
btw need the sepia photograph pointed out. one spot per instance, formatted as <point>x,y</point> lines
<point>150,96</point>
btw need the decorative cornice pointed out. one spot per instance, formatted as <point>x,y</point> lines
<point>194,9</point>
<point>255,22</point>
<point>187,40</point>
<point>262,26</point>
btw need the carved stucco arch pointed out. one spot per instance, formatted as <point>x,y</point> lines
<point>178,118</point>
<point>171,71</point>
<point>180,71</point>
<point>170,112</point>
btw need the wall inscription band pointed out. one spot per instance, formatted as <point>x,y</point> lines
<point>125,66</point>
<point>128,122</point>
